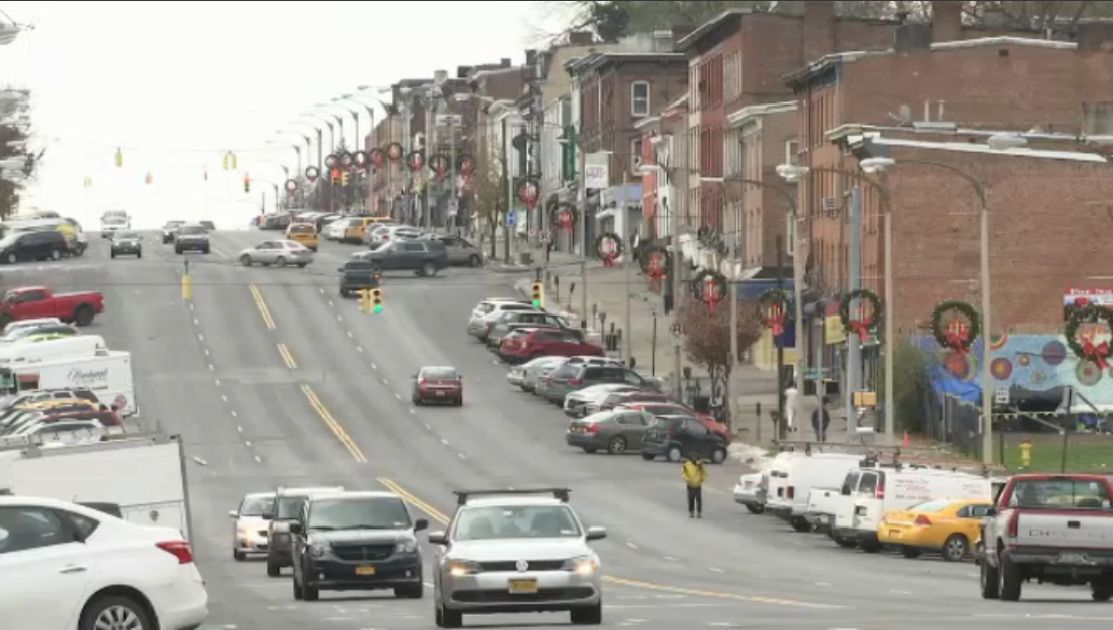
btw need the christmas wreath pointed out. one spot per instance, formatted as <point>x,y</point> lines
<point>655,262</point>
<point>772,310</point>
<point>608,246</point>
<point>563,217</point>
<point>709,287</point>
<point>1085,348</point>
<point>958,337</point>
<point>861,327</point>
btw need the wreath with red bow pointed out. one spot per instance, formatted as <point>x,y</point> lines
<point>1085,348</point>
<point>958,336</point>
<point>867,321</point>
<point>772,310</point>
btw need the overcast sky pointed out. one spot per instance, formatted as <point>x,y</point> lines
<point>175,84</point>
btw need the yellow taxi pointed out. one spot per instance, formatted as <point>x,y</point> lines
<point>948,526</point>
<point>358,226</point>
<point>305,234</point>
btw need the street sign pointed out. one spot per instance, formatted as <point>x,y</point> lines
<point>510,218</point>
<point>449,120</point>
<point>811,374</point>
<point>597,171</point>
<point>1001,396</point>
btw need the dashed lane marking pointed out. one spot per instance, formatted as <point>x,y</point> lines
<point>224,397</point>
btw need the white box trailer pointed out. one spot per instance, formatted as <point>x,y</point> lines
<point>143,473</point>
<point>108,375</point>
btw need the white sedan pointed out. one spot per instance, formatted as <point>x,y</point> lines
<point>64,566</point>
<point>279,253</point>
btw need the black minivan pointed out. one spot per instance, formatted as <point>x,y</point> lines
<point>21,246</point>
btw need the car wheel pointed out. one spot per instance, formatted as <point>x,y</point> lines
<point>344,293</point>
<point>238,555</point>
<point>459,402</point>
<point>801,525</point>
<point>302,265</point>
<point>870,547</point>
<point>56,254</point>
<point>1101,590</point>
<point>648,457</point>
<point>845,543</point>
<point>719,455</point>
<point>616,445</point>
<point>205,251</point>
<point>83,316</point>
<point>428,270</point>
<point>675,454</point>
<point>416,591</point>
<point>298,593</point>
<point>475,260</point>
<point>588,615</point>
<point>755,508</point>
<point>990,581</point>
<point>273,570</point>
<point>12,259</point>
<point>280,262</point>
<point>139,254</point>
<point>1010,579</point>
<point>449,618</point>
<point>909,552</point>
<point>245,260</point>
<point>310,593</point>
<point>955,548</point>
<point>115,612</point>
<point>177,250</point>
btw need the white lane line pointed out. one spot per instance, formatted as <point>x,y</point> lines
<point>330,303</point>
<point>823,584</point>
<point>631,545</point>
<point>428,427</point>
<point>339,318</point>
<point>896,592</point>
<point>444,441</point>
<point>247,443</point>
<point>195,322</point>
<point>350,335</point>
<point>200,337</point>
<point>191,306</point>
<point>207,352</point>
<point>671,559</point>
<point>412,410</point>
<point>239,429</point>
<point>258,460</point>
<point>461,456</point>
<point>715,570</point>
<point>234,414</point>
<point>217,381</point>
<point>224,397</point>
<point>200,461</point>
<point>359,348</point>
<point>374,367</point>
<point>322,291</point>
<point>212,368</point>
<point>428,584</point>
<point>398,396</point>
<point>386,382</point>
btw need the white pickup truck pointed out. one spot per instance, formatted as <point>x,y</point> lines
<point>1049,528</point>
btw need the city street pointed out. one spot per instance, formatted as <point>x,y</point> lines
<point>272,378</point>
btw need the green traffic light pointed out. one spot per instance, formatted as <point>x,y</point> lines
<point>537,303</point>
<point>378,308</point>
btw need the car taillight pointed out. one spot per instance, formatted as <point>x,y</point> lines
<point>923,520</point>
<point>1013,522</point>
<point>790,492</point>
<point>179,549</point>
<point>591,428</point>
<point>880,492</point>
<point>576,381</point>
<point>422,383</point>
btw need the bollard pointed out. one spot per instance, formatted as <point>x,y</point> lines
<point>187,286</point>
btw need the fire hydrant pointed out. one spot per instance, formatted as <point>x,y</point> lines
<point>1025,453</point>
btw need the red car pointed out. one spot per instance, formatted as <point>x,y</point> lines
<point>438,384</point>
<point>541,342</point>
<point>677,409</point>
<point>39,302</point>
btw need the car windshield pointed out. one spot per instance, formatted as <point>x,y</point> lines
<point>446,374</point>
<point>525,521</point>
<point>174,224</point>
<point>192,229</point>
<point>931,506</point>
<point>256,505</point>
<point>1079,494</point>
<point>127,235</point>
<point>362,513</point>
<point>289,506</point>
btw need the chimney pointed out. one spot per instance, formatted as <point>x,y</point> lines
<point>946,20</point>
<point>819,29</point>
<point>580,38</point>
<point>1095,36</point>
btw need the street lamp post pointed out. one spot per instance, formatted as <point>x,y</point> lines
<point>308,141</point>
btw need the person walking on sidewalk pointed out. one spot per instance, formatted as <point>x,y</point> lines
<point>694,474</point>
<point>820,421</point>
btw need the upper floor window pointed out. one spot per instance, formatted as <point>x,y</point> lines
<point>639,98</point>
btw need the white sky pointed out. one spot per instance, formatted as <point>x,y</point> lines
<point>176,83</point>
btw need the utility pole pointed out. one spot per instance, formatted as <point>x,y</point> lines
<point>430,136</point>
<point>627,335</point>
<point>509,191</point>
<point>987,395</point>
<point>583,234</point>
<point>677,255</point>
<point>853,344</point>
<point>782,424</point>
<point>732,286</point>
<point>452,205</point>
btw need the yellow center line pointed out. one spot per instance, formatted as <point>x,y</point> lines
<point>440,517</point>
<point>262,305</point>
<point>333,424</point>
<point>287,357</point>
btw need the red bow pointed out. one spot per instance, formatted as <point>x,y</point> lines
<point>862,328</point>
<point>777,325</point>
<point>957,341</point>
<point>1096,353</point>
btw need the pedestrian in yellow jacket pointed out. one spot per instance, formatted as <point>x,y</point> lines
<point>694,474</point>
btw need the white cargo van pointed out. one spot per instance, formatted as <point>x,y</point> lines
<point>796,476</point>
<point>107,375</point>
<point>869,492</point>
<point>37,351</point>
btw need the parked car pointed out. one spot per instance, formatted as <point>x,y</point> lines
<point>277,253</point>
<point>28,332</point>
<point>170,230</point>
<point>37,302</point>
<point>335,230</point>
<point>357,228</point>
<point>670,408</point>
<point>792,479</point>
<point>358,274</point>
<point>275,221</point>
<point>425,258</point>
<point>380,235</point>
<point>576,400</point>
<point>504,323</point>
<point>356,541</point>
<point>518,373</point>
<point>28,246</point>
<point>494,344</point>
<point>570,378</point>
<point>945,526</point>
<point>46,429</point>
<point>751,491</point>
<point>438,384</point>
<point>191,238</point>
<point>305,234</point>
<point>617,399</point>
<point>547,341</point>
<point>536,380</point>
<point>489,310</point>
<point>677,437</point>
<point>250,529</point>
<point>461,251</point>
<point>616,432</point>
<point>65,566</point>
<point>127,242</point>
<point>30,323</point>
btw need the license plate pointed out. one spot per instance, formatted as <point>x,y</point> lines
<point>365,570</point>
<point>522,587</point>
<point>1073,558</point>
<point>440,393</point>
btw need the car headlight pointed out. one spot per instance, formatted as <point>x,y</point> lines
<point>582,565</point>
<point>317,551</point>
<point>457,568</point>
<point>244,530</point>
<point>406,546</point>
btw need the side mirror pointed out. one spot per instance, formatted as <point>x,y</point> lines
<point>233,514</point>
<point>596,532</point>
<point>268,516</point>
<point>991,512</point>
<point>421,524</point>
<point>295,528</point>
<point>438,538</point>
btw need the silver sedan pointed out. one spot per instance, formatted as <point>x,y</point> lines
<point>278,253</point>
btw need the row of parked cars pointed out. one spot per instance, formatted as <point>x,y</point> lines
<point>612,407</point>
<point>40,235</point>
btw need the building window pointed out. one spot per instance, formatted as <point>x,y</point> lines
<point>792,148</point>
<point>639,98</point>
<point>635,155</point>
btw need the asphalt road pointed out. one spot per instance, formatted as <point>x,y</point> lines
<point>272,378</point>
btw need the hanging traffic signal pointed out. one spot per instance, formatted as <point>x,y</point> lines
<point>376,300</point>
<point>365,300</point>
<point>344,175</point>
<point>119,158</point>
<point>537,294</point>
<point>246,183</point>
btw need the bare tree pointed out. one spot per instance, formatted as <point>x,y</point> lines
<point>707,332</point>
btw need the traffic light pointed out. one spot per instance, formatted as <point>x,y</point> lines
<point>376,300</point>
<point>365,300</point>
<point>344,175</point>
<point>119,158</point>
<point>246,183</point>
<point>538,294</point>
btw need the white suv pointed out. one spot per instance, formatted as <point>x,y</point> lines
<point>513,551</point>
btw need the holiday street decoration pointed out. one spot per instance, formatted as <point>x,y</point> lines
<point>312,173</point>
<point>955,325</point>
<point>772,311</point>
<point>291,186</point>
<point>346,160</point>
<point>1083,344</point>
<point>608,246</point>
<point>119,157</point>
<point>330,161</point>
<point>394,151</point>
<point>466,166</point>
<point>529,193</point>
<point>360,159</point>
<point>564,217</point>
<point>377,158</point>
<point>415,160</point>
<point>655,262</point>
<point>710,287</point>
<point>439,165</point>
<point>867,315</point>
